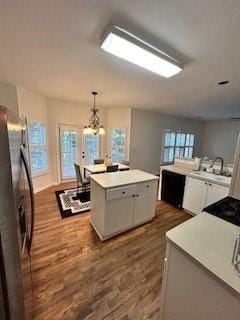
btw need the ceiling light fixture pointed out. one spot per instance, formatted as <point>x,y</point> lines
<point>125,45</point>
<point>94,126</point>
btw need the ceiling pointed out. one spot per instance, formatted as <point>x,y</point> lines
<point>53,47</point>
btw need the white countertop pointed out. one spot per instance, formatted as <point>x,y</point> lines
<point>194,174</point>
<point>210,241</point>
<point>177,169</point>
<point>120,178</point>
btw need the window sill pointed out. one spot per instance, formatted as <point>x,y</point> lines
<point>166,163</point>
<point>36,175</point>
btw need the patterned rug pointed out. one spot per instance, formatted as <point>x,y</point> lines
<point>70,202</point>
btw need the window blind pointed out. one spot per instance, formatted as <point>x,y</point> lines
<point>38,147</point>
<point>118,144</point>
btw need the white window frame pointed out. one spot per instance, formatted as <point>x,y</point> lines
<point>175,146</point>
<point>125,142</point>
<point>42,146</point>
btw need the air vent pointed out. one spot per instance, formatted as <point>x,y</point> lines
<point>222,83</point>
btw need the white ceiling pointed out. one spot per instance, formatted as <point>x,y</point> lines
<point>52,46</point>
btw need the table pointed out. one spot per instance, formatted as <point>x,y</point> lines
<point>101,168</point>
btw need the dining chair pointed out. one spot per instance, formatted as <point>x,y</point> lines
<point>81,182</point>
<point>112,168</point>
<point>98,161</point>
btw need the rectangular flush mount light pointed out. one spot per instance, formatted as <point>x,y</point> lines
<point>125,45</point>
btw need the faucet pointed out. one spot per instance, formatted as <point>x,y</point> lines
<point>222,162</point>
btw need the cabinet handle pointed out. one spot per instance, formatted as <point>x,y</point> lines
<point>123,192</point>
<point>137,195</point>
<point>147,186</point>
<point>133,195</point>
<point>236,251</point>
<point>205,183</point>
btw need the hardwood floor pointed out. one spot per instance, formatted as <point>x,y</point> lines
<point>76,276</point>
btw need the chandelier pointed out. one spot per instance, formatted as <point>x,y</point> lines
<point>94,126</point>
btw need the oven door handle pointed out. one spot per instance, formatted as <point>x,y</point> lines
<point>30,184</point>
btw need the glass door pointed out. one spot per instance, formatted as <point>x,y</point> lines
<point>69,150</point>
<point>76,147</point>
<point>91,145</point>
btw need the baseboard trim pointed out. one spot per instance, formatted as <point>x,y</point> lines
<point>46,186</point>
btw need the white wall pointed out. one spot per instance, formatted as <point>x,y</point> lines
<point>33,106</point>
<point>69,113</point>
<point>119,118</point>
<point>147,136</point>
<point>220,139</point>
<point>8,97</point>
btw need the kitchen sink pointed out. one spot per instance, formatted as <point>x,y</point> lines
<point>211,176</point>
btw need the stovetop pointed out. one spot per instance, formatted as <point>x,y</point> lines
<point>227,209</point>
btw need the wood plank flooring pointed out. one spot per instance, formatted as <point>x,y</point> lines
<point>77,277</point>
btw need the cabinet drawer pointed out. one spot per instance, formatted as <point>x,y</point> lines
<point>148,186</point>
<point>121,192</point>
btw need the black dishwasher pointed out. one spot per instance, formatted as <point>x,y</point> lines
<point>172,189</point>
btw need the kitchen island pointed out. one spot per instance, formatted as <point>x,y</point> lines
<point>121,201</point>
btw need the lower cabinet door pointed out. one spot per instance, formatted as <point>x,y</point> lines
<point>215,193</point>
<point>145,205</point>
<point>119,215</point>
<point>194,195</point>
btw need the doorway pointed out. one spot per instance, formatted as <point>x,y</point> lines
<point>76,147</point>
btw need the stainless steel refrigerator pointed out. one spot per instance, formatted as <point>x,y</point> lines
<point>16,220</point>
<point>235,183</point>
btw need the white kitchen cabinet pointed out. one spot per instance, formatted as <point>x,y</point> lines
<point>119,215</point>
<point>215,193</point>
<point>116,208</point>
<point>189,292</point>
<point>144,209</point>
<point>199,194</point>
<point>194,195</point>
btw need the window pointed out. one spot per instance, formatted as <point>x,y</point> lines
<point>68,151</point>
<point>177,144</point>
<point>92,147</point>
<point>169,146</point>
<point>118,142</point>
<point>38,147</point>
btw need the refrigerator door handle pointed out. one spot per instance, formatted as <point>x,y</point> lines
<point>29,179</point>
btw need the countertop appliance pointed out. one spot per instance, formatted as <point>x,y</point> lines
<point>16,220</point>
<point>227,209</point>
<point>197,164</point>
<point>172,189</point>
<point>235,183</point>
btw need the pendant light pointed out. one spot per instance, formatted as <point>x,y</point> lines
<point>94,126</point>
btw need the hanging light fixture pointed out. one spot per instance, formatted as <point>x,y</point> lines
<point>94,126</point>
